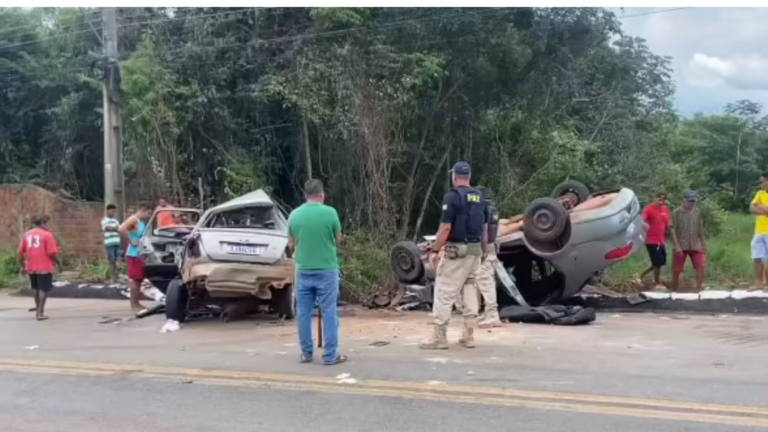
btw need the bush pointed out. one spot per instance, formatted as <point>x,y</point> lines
<point>364,264</point>
<point>714,216</point>
<point>9,270</point>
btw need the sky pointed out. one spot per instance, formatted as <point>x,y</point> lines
<point>719,55</point>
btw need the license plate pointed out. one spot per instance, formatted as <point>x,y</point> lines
<point>245,249</point>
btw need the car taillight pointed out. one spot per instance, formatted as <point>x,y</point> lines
<point>620,253</point>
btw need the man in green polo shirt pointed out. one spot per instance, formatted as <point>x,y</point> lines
<point>315,233</point>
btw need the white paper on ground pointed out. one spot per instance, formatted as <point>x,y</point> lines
<point>653,295</point>
<point>170,326</point>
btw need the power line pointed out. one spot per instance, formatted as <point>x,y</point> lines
<point>37,25</point>
<point>361,28</point>
<point>390,24</point>
<point>19,44</point>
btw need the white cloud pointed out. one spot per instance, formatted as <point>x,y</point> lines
<point>719,55</point>
<point>744,72</point>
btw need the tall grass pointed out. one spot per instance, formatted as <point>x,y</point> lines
<point>10,273</point>
<point>729,263</point>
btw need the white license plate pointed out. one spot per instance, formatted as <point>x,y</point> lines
<point>245,249</point>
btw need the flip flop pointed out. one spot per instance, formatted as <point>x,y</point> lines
<point>34,309</point>
<point>339,359</point>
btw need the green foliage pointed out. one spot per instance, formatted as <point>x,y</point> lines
<point>364,264</point>
<point>10,273</point>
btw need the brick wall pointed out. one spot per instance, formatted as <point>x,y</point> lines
<point>75,223</point>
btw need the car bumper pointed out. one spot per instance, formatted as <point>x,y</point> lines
<point>236,279</point>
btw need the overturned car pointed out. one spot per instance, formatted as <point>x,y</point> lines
<point>234,261</point>
<point>549,253</point>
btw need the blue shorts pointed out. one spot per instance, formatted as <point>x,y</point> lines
<point>113,253</point>
<point>760,247</point>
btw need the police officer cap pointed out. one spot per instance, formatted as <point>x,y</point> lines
<point>461,168</point>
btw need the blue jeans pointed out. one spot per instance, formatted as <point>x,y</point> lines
<point>113,253</point>
<point>323,286</point>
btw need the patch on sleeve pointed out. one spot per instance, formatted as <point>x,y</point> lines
<point>445,207</point>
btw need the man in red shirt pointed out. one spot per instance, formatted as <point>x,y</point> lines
<point>657,217</point>
<point>38,253</point>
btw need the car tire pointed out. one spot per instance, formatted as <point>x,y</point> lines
<point>176,301</point>
<point>406,263</point>
<point>545,220</point>
<point>285,304</point>
<point>576,187</point>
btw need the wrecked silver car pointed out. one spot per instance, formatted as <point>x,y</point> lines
<point>551,251</point>
<point>236,260</point>
<point>162,244</point>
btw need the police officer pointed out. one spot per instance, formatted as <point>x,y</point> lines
<point>461,239</point>
<point>485,277</point>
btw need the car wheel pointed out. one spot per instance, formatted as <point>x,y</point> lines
<point>406,262</point>
<point>286,305</point>
<point>545,220</point>
<point>576,188</point>
<point>176,301</point>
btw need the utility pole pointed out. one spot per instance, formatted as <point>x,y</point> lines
<point>113,148</point>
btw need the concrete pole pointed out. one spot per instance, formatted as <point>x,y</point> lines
<point>113,151</point>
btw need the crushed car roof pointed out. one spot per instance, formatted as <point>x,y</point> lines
<point>256,197</point>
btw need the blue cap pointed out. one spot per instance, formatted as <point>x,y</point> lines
<point>691,196</point>
<point>461,168</point>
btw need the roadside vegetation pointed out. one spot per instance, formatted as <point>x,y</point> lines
<point>376,102</point>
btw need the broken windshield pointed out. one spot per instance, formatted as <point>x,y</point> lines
<point>259,216</point>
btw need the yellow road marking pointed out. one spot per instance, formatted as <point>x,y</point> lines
<point>583,403</point>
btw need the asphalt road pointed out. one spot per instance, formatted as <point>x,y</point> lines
<point>629,373</point>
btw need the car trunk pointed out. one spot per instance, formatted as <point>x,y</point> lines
<point>246,245</point>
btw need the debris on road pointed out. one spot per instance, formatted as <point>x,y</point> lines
<point>170,326</point>
<point>32,347</point>
<point>440,360</point>
<point>345,378</point>
<point>378,343</point>
<point>554,314</point>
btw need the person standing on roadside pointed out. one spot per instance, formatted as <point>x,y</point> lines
<point>314,234</point>
<point>110,225</point>
<point>759,208</point>
<point>131,231</point>
<point>38,258</point>
<point>486,276</point>
<point>457,253</point>
<point>687,229</point>
<point>657,217</point>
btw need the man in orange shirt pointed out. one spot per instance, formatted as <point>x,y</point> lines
<point>38,253</point>
<point>165,218</point>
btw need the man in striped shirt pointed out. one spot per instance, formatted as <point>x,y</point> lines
<point>111,240</point>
